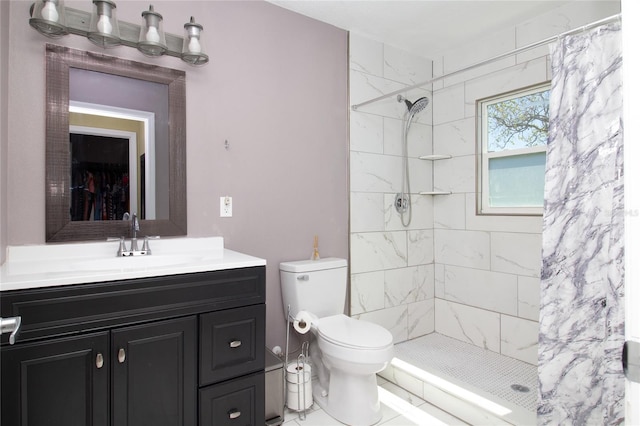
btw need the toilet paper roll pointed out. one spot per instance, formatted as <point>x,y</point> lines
<point>302,323</point>
<point>299,387</point>
<point>298,373</point>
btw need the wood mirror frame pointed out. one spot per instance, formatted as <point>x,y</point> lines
<point>59,227</point>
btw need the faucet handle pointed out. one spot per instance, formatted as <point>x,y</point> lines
<point>122,247</point>
<point>145,245</point>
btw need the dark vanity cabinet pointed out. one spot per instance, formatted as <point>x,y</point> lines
<point>172,350</point>
<point>56,382</point>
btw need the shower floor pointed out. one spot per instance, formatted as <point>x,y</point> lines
<point>488,373</point>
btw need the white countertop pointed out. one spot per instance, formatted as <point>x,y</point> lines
<point>62,264</point>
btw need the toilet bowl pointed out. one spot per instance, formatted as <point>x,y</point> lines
<point>346,353</point>
<point>361,344</point>
<point>353,352</point>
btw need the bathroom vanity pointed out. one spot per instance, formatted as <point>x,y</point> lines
<point>178,344</point>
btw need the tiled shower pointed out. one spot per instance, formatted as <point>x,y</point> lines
<point>475,278</point>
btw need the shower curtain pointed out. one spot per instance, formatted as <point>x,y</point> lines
<point>581,381</point>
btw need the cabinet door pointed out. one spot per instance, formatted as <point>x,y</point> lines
<point>154,374</point>
<point>57,382</point>
<point>231,343</point>
<point>238,402</point>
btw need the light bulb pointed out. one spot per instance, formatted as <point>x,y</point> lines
<point>152,34</point>
<point>49,12</point>
<point>104,25</point>
<point>194,45</point>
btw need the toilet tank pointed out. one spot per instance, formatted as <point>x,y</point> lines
<point>316,286</point>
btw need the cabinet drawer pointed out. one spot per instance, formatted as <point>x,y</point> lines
<point>237,402</point>
<point>231,343</point>
<point>67,310</point>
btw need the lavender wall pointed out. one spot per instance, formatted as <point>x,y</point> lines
<point>275,88</point>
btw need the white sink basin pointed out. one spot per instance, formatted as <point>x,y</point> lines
<point>135,262</point>
<point>47,265</point>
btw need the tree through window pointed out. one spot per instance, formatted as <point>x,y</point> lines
<point>512,140</point>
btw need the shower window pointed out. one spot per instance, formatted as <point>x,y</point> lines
<point>512,145</point>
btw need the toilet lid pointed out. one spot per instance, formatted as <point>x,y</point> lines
<point>344,331</point>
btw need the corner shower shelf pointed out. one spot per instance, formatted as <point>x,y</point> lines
<point>436,193</point>
<point>434,157</point>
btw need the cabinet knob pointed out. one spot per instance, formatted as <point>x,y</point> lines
<point>121,355</point>
<point>235,343</point>
<point>234,414</point>
<point>99,360</point>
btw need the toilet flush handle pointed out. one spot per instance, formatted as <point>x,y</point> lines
<point>304,277</point>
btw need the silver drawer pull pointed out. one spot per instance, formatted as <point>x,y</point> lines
<point>11,325</point>
<point>234,414</point>
<point>121,355</point>
<point>235,344</point>
<point>99,360</point>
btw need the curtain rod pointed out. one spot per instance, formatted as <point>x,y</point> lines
<point>493,59</point>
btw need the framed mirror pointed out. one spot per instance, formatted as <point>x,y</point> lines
<point>126,131</point>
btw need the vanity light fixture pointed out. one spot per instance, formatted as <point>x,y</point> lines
<point>49,18</point>
<point>192,49</point>
<point>103,29</point>
<point>152,41</point>
<point>52,19</point>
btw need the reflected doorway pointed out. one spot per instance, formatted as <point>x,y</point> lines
<point>103,164</point>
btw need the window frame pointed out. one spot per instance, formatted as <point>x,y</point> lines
<point>483,156</point>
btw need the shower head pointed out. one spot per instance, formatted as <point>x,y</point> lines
<point>419,105</point>
<point>414,107</point>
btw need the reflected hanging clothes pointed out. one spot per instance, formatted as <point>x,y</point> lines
<point>89,196</point>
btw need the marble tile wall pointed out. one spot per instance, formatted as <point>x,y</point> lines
<point>477,276</point>
<point>487,268</point>
<point>392,273</point>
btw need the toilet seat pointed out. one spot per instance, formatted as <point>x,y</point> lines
<point>351,333</point>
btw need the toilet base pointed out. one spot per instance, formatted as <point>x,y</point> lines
<point>352,399</point>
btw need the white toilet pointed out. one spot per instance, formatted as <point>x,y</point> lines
<point>346,353</point>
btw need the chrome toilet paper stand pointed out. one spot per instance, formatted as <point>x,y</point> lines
<point>302,360</point>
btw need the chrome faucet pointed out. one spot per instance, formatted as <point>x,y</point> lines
<point>133,249</point>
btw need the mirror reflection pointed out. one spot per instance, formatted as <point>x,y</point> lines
<point>114,107</point>
<point>113,154</point>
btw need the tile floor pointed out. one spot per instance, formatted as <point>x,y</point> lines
<point>477,368</point>
<point>427,372</point>
<point>399,408</point>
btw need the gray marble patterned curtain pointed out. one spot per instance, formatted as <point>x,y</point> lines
<point>582,290</point>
